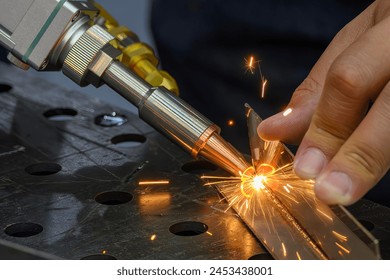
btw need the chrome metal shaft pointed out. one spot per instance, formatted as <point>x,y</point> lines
<point>175,119</point>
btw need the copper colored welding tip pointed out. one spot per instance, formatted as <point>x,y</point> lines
<point>223,154</point>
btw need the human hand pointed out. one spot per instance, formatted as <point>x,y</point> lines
<point>344,148</point>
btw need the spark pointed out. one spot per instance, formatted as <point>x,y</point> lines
<point>287,112</point>
<point>298,256</point>
<point>325,215</point>
<point>231,122</point>
<point>157,182</point>
<point>284,250</point>
<point>209,233</point>
<point>248,191</point>
<point>263,84</point>
<point>104,252</point>
<point>153,237</point>
<point>264,81</point>
<point>340,236</point>
<point>250,64</point>
<point>342,248</point>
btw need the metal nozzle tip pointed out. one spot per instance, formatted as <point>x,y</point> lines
<point>221,153</point>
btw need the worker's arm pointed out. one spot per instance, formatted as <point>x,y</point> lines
<point>344,147</point>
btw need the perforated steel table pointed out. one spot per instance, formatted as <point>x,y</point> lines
<point>70,168</point>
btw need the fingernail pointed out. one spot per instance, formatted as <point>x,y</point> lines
<point>334,188</point>
<point>310,163</point>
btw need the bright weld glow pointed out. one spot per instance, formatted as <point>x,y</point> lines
<point>153,237</point>
<point>287,112</point>
<point>159,182</point>
<point>258,182</point>
<point>251,182</point>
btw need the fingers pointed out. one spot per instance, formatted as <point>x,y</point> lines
<point>291,124</point>
<point>292,127</point>
<point>354,78</point>
<point>362,160</point>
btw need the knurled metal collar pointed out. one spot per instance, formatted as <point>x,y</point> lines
<point>83,52</point>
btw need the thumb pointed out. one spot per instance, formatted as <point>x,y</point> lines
<point>291,124</point>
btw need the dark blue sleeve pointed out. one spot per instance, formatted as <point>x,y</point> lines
<point>3,54</point>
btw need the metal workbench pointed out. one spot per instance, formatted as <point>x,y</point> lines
<point>69,185</point>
